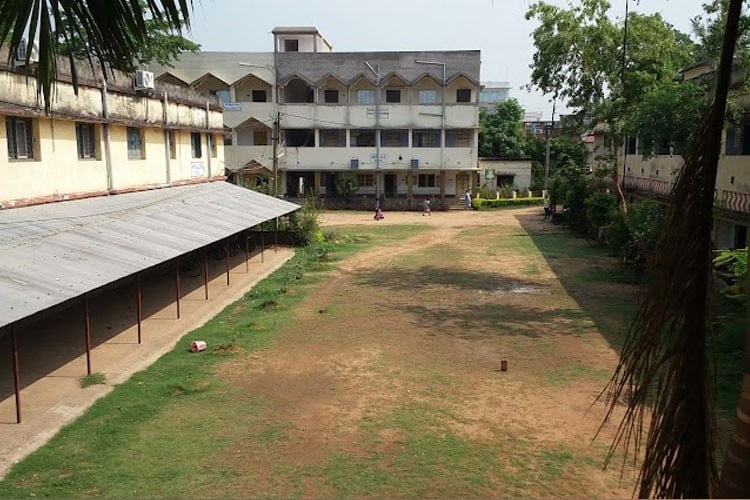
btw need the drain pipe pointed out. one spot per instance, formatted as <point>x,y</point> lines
<point>167,142</point>
<point>208,141</point>
<point>107,138</point>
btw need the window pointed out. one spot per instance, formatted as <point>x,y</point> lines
<point>135,144</point>
<point>362,138</point>
<point>300,137</point>
<point>427,96</point>
<point>298,91</point>
<point>463,95</point>
<point>260,138</point>
<point>20,138</point>
<point>331,96</point>
<point>458,138</point>
<point>223,95</point>
<point>394,138</point>
<point>172,137</point>
<point>365,180</point>
<point>86,140</point>
<point>738,140</point>
<point>506,180</point>
<point>630,146</point>
<point>426,180</point>
<point>258,95</point>
<point>291,45</point>
<point>195,145</point>
<point>426,139</point>
<point>366,96</point>
<point>393,95</point>
<point>228,139</point>
<point>332,138</point>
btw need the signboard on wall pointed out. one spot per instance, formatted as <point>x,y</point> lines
<point>489,175</point>
<point>384,112</point>
<point>197,169</point>
<point>232,106</point>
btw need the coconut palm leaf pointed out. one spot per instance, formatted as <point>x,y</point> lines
<point>664,374</point>
<point>111,30</point>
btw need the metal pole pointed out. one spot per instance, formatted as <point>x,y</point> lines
<point>276,236</point>
<point>177,286</point>
<point>138,304</point>
<point>262,243</point>
<point>88,333</point>
<point>247,253</point>
<point>226,257</point>
<point>275,141</point>
<point>205,271</point>
<point>16,372</point>
<point>442,140</point>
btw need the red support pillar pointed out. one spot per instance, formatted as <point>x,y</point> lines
<point>138,303</point>
<point>205,271</point>
<point>177,286</point>
<point>88,333</point>
<point>226,257</point>
<point>262,242</point>
<point>16,372</point>
<point>247,253</point>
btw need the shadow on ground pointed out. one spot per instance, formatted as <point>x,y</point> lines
<point>605,290</point>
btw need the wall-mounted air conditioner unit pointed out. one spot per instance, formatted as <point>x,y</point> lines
<point>144,80</point>
<point>22,52</point>
<point>354,164</point>
<point>415,163</point>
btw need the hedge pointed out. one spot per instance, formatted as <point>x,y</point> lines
<point>492,203</point>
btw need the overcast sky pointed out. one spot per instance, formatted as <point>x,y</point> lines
<point>496,27</point>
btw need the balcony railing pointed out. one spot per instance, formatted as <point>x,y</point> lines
<point>735,201</point>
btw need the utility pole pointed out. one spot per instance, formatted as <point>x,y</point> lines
<point>546,156</point>
<point>275,141</point>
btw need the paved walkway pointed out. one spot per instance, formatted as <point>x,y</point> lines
<point>52,351</point>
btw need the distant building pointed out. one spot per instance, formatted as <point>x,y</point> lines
<point>492,94</point>
<point>406,123</point>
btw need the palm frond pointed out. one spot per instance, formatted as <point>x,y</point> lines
<point>112,30</point>
<point>664,371</point>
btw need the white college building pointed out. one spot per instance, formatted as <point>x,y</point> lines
<point>406,123</point>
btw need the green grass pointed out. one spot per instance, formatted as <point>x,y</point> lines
<point>573,373</point>
<point>174,429</point>
<point>93,379</point>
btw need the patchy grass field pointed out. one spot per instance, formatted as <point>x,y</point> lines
<point>375,373</point>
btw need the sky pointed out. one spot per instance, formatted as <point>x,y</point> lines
<point>496,27</point>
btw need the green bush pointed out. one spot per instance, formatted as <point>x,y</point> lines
<point>731,265</point>
<point>600,208</point>
<point>492,203</point>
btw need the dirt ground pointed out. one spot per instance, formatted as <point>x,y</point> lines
<point>420,325</point>
<point>389,329</point>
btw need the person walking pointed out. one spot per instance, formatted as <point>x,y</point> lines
<point>426,207</point>
<point>378,210</point>
<point>467,199</point>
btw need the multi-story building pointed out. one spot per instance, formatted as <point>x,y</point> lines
<point>655,176</point>
<point>406,123</point>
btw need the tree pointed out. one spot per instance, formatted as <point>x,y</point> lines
<point>162,44</point>
<point>664,366</point>
<point>346,184</point>
<point>585,59</point>
<point>110,32</point>
<point>501,133</point>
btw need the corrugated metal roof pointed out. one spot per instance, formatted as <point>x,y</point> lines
<point>55,252</point>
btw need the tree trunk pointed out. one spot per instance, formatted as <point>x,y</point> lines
<point>616,181</point>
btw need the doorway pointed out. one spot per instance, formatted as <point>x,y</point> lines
<point>390,185</point>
